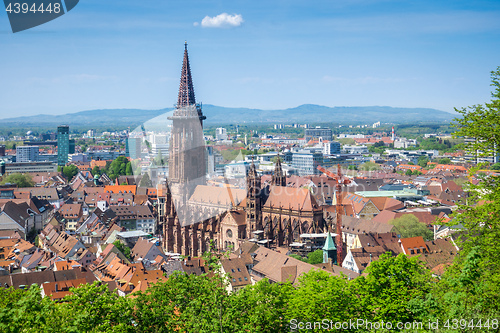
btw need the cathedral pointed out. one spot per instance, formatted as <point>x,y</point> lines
<point>193,214</point>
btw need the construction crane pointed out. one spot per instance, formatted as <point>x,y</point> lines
<point>339,181</point>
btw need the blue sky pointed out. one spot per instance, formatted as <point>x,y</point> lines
<point>277,54</point>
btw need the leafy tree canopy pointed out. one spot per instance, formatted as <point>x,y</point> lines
<point>480,122</point>
<point>408,225</point>
<point>119,167</point>
<point>70,171</point>
<point>145,181</point>
<point>369,166</point>
<point>422,161</point>
<point>315,257</point>
<point>123,249</point>
<point>22,180</point>
<point>444,160</point>
<point>495,166</point>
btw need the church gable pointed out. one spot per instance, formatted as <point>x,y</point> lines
<point>369,210</point>
<point>235,218</point>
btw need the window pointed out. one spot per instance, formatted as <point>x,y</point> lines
<point>232,270</point>
<point>239,270</point>
<point>229,233</point>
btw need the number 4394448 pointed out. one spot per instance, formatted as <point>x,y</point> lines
<point>455,324</point>
<point>25,8</point>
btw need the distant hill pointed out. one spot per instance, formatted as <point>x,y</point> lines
<point>307,113</point>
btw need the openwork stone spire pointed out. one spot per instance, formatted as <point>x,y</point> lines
<point>186,90</point>
<point>279,177</point>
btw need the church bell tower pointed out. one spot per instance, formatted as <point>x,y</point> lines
<point>187,163</point>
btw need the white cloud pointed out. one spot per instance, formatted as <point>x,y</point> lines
<point>222,21</point>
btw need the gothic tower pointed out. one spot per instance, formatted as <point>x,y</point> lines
<point>254,203</point>
<point>187,164</point>
<point>279,178</point>
<point>186,167</point>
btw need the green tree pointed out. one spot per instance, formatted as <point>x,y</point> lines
<point>475,274</point>
<point>70,171</point>
<point>135,166</point>
<point>376,150</point>
<point>118,167</point>
<point>22,180</point>
<point>123,249</point>
<point>409,172</point>
<point>315,257</point>
<point>422,161</point>
<point>369,166</point>
<point>94,308</point>
<point>296,256</point>
<point>185,303</point>
<point>444,160</point>
<point>391,286</point>
<point>262,307</point>
<point>346,141</point>
<point>408,225</point>
<point>128,169</point>
<point>96,171</point>
<point>158,160</point>
<point>320,295</point>
<point>145,181</point>
<point>26,310</point>
<point>480,244</point>
<point>480,122</point>
<point>435,144</point>
<point>495,167</point>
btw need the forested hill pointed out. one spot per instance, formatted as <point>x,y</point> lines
<point>307,113</point>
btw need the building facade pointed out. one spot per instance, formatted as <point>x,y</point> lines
<point>62,145</point>
<point>318,133</point>
<point>331,148</point>
<point>27,154</point>
<point>306,163</point>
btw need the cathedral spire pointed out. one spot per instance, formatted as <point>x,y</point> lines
<point>252,172</point>
<point>186,90</point>
<point>279,178</point>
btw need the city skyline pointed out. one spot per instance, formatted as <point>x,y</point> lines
<point>267,56</point>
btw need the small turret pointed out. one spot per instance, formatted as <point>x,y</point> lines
<point>279,178</point>
<point>329,250</point>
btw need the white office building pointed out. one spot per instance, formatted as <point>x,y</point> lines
<point>26,154</point>
<point>221,134</point>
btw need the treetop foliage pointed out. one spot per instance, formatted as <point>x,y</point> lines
<point>481,123</point>
<point>408,225</point>
<point>21,180</point>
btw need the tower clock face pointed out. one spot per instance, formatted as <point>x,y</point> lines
<point>229,233</point>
